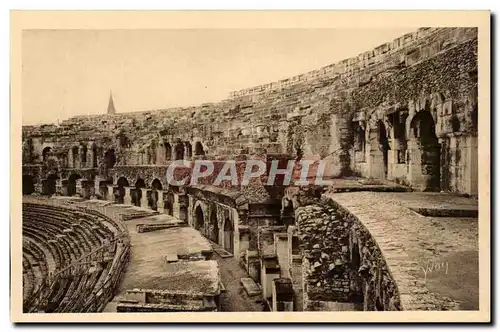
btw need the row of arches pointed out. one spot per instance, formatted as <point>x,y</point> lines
<point>166,151</point>
<point>211,228</point>
<point>419,146</point>
<point>83,157</point>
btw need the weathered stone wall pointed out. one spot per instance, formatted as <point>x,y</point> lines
<point>342,264</point>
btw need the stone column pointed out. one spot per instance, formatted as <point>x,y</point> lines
<point>471,168</point>
<point>111,194</point>
<point>59,186</point>
<point>127,199</point>
<point>144,198</point>
<point>161,202</point>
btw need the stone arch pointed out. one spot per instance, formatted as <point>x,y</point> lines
<point>137,196</point>
<point>94,155</point>
<point>120,194</point>
<point>179,151</point>
<point>154,194</point>
<point>83,155</point>
<point>28,184</point>
<point>51,184</point>
<point>169,203</point>
<point>168,151</point>
<point>199,219</point>
<point>46,153</point>
<point>426,152</point>
<point>72,183</point>
<point>74,156</point>
<point>198,149</point>
<point>213,233</point>
<point>110,158</point>
<point>287,212</point>
<point>228,236</point>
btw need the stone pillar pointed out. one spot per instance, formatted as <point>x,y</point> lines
<point>144,198</point>
<point>472,165</point>
<point>97,188</point>
<point>111,193</point>
<point>281,250</point>
<point>161,202</point>
<point>127,199</point>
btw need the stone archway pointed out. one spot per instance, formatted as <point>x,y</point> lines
<point>214,226</point>
<point>28,184</point>
<point>121,183</point>
<point>425,154</point>
<point>72,184</point>
<point>229,236</point>
<point>46,153</point>
<point>94,156</point>
<point>179,151</point>
<point>51,184</point>
<point>168,151</point>
<point>169,204</point>
<point>74,157</point>
<point>110,158</point>
<point>154,198</point>
<point>199,220</point>
<point>198,149</point>
<point>136,198</point>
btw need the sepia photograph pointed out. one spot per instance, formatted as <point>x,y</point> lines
<point>206,166</point>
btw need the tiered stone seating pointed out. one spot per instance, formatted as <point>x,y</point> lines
<point>73,256</point>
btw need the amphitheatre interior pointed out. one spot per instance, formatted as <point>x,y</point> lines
<point>395,229</point>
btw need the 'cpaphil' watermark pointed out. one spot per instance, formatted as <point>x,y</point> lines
<point>245,172</point>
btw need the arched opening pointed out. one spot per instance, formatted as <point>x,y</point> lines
<point>120,195</point>
<point>383,142</point>
<point>109,158</point>
<point>424,130</point>
<point>199,220</point>
<point>136,198</point>
<point>51,184</point>
<point>168,151</point>
<point>359,142</point>
<point>154,195</point>
<point>198,149</point>
<point>94,156</point>
<point>169,204</point>
<point>74,156</point>
<point>228,236</point>
<point>72,184</point>
<point>83,156</point>
<point>287,212</point>
<point>214,226</point>
<point>179,151</point>
<point>28,185</point>
<point>46,153</point>
<point>189,149</point>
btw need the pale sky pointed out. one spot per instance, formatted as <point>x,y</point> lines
<point>71,72</point>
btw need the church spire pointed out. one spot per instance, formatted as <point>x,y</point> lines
<point>111,104</point>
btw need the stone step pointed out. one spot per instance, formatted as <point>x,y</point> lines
<point>251,288</point>
<point>223,253</point>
